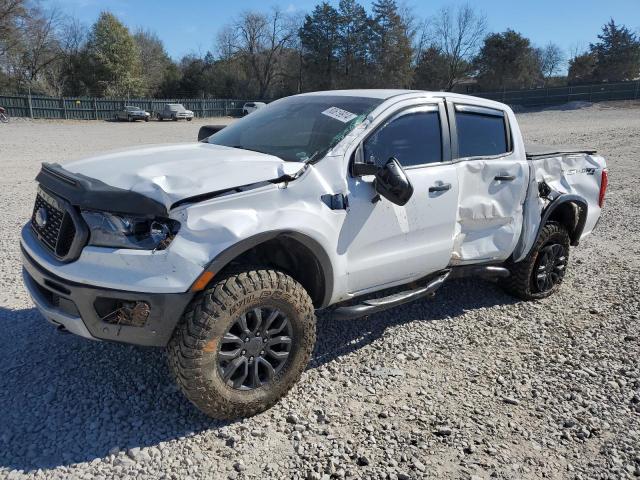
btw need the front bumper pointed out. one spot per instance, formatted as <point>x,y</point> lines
<point>74,306</point>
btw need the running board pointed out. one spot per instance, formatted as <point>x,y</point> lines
<point>483,271</point>
<point>375,305</point>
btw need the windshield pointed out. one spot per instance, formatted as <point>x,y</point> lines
<point>176,108</point>
<point>297,129</point>
<point>132,109</point>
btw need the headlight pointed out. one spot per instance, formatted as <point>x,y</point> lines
<point>119,231</point>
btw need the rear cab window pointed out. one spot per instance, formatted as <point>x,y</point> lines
<point>481,131</point>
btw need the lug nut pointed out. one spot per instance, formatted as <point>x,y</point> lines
<point>244,352</point>
<point>262,352</point>
<point>246,340</point>
<point>258,334</point>
<point>251,359</point>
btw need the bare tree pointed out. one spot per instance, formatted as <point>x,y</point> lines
<point>260,40</point>
<point>39,47</point>
<point>551,58</point>
<point>458,34</point>
<point>12,14</point>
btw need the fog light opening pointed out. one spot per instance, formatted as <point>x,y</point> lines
<point>123,312</point>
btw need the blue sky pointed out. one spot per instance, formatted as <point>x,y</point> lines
<point>190,26</point>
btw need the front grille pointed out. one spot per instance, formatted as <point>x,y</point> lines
<point>53,224</point>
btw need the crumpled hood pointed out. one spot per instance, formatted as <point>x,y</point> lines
<point>169,173</point>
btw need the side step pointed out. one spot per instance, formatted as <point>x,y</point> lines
<point>374,305</point>
<point>482,271</point>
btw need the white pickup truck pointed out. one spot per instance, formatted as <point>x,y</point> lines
<point>347,201</point>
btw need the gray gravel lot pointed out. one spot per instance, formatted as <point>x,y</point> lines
<point>472,384</point>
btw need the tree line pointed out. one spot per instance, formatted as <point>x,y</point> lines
<point>269,54</point>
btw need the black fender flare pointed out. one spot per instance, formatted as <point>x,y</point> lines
<point>557,201</point>
<point>225,257</point>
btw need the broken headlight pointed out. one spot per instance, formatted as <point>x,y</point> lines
<point>121,231</point>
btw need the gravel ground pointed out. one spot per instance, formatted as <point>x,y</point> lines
<point>472,384</point>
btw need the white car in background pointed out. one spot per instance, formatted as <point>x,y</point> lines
<point>249,107</point>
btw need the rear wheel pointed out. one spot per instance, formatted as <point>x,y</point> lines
<point>243,343</point>
<point>541,273</point>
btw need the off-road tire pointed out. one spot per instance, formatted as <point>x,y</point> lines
<point>193,349</point>
<point>521,283</point>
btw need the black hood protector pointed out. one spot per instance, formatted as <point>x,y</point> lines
<point>91,194</point>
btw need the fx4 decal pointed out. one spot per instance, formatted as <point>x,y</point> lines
<point>573,171</point>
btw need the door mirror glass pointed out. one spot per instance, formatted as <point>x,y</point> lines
<point>392,183</point>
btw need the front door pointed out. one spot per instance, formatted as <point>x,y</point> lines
<point>387,244</point>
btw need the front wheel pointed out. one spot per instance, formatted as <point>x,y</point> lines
<point>542,271</point>
<point>243,343</point>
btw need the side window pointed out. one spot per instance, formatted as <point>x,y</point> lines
<point>481,134</point>
<point>414,139</point>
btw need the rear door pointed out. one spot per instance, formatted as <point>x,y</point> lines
<point>386,243</point>
<point>493,176</point>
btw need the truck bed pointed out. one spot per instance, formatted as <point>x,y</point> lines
<point>542,151</point>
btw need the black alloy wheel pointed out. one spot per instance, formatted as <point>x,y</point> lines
<point>255,349</point>
<point>550,267</point>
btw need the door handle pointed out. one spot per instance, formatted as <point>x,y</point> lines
<point>505,178</point>
<point>440,188</point>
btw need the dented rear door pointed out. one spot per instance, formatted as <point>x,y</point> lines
<point>493,177</point>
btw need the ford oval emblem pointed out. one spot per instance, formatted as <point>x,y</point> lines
<point>41,217</point>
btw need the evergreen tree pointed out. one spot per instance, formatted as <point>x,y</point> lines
<point>319,39</point>
<point>507,60</point>
<point>432,70</point>
<point>155,58</point>
<point>617,54</point>
<point>353,45</point>
<point>115,67</point>
<point>581,68</point>
<point>390,46</point>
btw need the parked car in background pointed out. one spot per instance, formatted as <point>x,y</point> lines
<point>175,112</point>
<point>131,114</point>
<point>249,107</point>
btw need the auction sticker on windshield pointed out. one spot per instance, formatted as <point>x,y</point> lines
<point>339,114</point>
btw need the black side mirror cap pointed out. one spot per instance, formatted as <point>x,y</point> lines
<point>207,130</point>
<point>392,183</point>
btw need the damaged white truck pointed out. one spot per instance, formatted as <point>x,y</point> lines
<point>349,202</point>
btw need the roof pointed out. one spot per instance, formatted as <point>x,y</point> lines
<point>364,92</point>
<point>387,94</point>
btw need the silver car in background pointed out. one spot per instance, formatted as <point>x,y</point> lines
<point>131,114</point>
<point>175,112</point>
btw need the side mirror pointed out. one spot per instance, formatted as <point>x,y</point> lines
<point>207,130</point>
<point>392,183</point>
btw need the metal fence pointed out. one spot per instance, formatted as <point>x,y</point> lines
<point>106,108</point>
<point>540,97</point>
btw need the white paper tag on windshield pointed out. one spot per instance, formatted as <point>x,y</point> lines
<point>339,114</point>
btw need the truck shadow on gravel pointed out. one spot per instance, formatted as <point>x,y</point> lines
<point>66,400</point>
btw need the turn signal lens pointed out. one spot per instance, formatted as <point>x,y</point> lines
<point>202,281</point>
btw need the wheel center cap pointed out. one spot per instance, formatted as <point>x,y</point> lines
<point>254,346</point>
